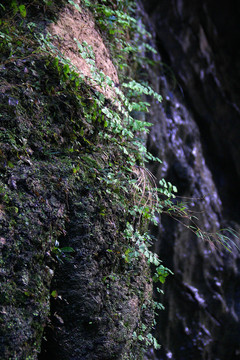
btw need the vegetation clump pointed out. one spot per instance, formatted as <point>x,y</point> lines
<point>76,197</point>
<point>70,160</point>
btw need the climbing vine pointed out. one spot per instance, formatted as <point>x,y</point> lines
<point>103,121</point>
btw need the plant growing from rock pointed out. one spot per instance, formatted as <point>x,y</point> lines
<point>91,127</point>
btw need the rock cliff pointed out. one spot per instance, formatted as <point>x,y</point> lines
<point>69,289</point>
<point>74,283</point>
<point>196,134</point>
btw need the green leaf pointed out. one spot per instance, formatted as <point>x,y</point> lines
<point>54,294</point>
<point>66,69</point>
<point>22,10</point>
<point>10,164</point>
<point>67,249</point>
<point>75,5</point>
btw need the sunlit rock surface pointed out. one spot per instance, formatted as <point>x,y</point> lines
<point>196,133</point>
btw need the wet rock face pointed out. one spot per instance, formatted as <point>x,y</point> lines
<point>196,131</point>
<point>98,302</point>
<point>30,211</point>
<point>199,43</point>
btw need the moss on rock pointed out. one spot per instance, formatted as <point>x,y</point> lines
<point>63,216</point>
